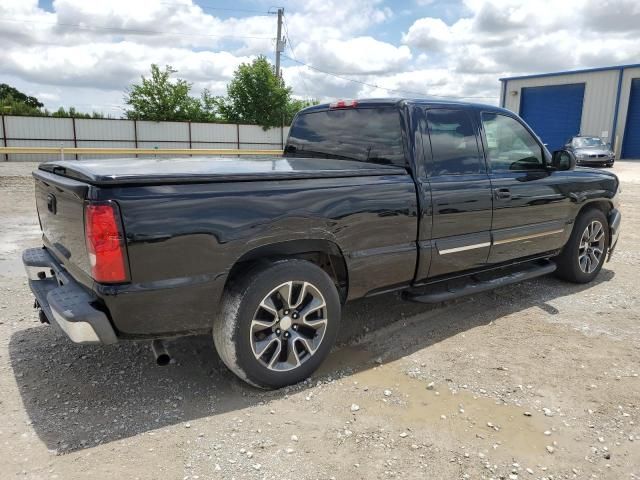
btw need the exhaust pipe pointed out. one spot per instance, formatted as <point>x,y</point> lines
<point>160,352</point>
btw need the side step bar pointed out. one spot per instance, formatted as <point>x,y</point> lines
<point>440,293</point>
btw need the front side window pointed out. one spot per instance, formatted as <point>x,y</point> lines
<point>510,146</point>
<point>454,147</point>
<point>363,134</point>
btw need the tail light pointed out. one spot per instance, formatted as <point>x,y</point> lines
<point>344,104</point>
<point>105,242</point>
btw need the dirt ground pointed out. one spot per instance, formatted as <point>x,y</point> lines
<point>536,380</point>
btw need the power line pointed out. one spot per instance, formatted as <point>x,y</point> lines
<point>293,54</point>
<point>372,85</point>
<point>130,30</point>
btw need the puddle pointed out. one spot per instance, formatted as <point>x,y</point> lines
<point>344,358</point>
<point>414,407</point>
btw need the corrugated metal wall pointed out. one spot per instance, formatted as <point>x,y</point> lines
<point>207,135</point>
<point>67,132</point>
<point>599,98</point>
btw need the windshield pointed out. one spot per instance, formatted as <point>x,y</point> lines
<point>586,142</point>
<point>363,134</point>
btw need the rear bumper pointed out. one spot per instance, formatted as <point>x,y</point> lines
<point>615,222</point>
<point>64,301</point>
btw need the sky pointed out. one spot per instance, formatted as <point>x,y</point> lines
<point>86,53</point>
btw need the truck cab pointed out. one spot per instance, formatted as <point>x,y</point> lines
<point>488,190</point>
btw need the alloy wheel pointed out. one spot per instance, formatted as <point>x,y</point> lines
<point>592,244</point>
<point>288,325</point>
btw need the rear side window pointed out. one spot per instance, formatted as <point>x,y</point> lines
<point>365,135</point>
<point>454,147</point>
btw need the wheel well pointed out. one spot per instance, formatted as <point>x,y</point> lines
<point>603,205</point>
<point>323,253</point>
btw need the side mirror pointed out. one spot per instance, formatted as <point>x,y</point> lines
<point>563,160</point>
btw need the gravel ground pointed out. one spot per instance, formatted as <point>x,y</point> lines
<point>537,380</point>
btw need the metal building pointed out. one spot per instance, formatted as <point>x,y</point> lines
<point>603,102</point>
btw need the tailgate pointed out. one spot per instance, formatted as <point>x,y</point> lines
<point>60,203</point>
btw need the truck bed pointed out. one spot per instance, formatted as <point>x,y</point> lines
<point>187,221</point>
<point>155,171</point>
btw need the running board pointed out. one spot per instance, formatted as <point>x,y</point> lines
<point>446,291</point>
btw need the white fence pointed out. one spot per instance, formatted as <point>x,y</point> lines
<point>17,131</point>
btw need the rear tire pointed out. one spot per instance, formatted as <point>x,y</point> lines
<point>278,323</point>
<point>584,254</point>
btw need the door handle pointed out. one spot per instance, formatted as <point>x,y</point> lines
<point>502,193</point>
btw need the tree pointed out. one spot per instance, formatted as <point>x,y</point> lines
<point>14,102</point>
<point>256,95</point>
<point>72,112</point>
<point>161,98</point>
<point>11,106</point>
<point>7,91</point>
<point>209,107</point>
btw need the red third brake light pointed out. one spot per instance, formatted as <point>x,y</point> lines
<point>344,104</point>
<point>105,244</point>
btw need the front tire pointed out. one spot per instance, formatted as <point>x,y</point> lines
<point>278,323</point>
<point>584,254</point>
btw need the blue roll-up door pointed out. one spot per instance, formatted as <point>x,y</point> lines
<point>554,112</point>
<point>631,141</point>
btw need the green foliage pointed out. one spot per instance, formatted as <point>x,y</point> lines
<point>209,108</point>
<point>7,92</point>
<point>159,98</point>
<point>61,112</point>
<point>14,102</point>
<point>256,95</point>
<point>11,106</point>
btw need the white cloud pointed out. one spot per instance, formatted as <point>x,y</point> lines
<point>113,65</point>
<point>509,36</point>
<point>356,55</point>
<point>105,46</point>
<point>308,83</point>
<point>430,34</point>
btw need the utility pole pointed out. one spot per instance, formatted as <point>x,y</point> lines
<point>280,42</point>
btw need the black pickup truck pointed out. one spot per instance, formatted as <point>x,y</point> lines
<point>433,199</point>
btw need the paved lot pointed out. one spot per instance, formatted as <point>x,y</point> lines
<point>567,355</point>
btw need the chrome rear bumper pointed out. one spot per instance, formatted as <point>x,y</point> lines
<point>65,303</point>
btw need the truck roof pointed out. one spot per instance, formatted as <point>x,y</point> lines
<point>400,101</point>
